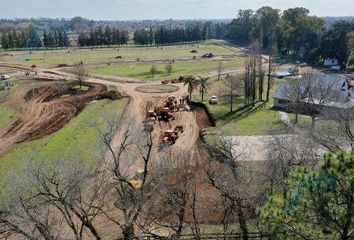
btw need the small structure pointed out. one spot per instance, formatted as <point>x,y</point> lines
<point>330,62</point>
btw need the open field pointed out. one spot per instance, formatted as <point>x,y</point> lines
<point>77,138</point>
<point>52,58</point>
<point>142,70</point>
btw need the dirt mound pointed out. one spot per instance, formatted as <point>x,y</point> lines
<point>113,95</point>
<point>158,88</point>
<point>46,111</point>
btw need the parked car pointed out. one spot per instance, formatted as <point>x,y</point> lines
<point>5,77</point>
<point>213,100</point>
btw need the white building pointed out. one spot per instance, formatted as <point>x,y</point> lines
<point>330,62</point>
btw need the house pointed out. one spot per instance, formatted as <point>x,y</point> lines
<point>330,62</point>
<point>339,90</point>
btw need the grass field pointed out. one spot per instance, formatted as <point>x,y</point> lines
<point>9,108</point>
<point>52,58</point>
<point>257,120</point>
<point>78,138</point>
<point>142,70</point>
<point>6,113</point>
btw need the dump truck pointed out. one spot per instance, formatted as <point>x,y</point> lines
<point>164,113</point>
<point>151,114</point>
<point>168,137</point>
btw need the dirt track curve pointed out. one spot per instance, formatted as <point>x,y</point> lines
<point>44,112</point>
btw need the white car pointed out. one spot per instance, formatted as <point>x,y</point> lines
<point>213,100</point>
<point>5,77</point>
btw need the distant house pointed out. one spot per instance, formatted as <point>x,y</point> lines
<point>330,62</point>
<point>337,85</point>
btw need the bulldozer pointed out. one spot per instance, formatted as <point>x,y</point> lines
<point>171,103</point>
<point>178,130</point>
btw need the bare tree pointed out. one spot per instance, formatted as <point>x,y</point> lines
<point>47,199</point>
<point>250,80</point>
<point>169,68</point>
<point>230,178</point>
<point>220,70</point>
<point>234,87</point>
<point>312,94</point>
<point>129,191</point>
<point>174,183</point>
<point>285,153</point>
<point>80,73</point>
<point>271,62</point>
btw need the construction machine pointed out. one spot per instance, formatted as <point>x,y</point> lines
<point>171,103</point>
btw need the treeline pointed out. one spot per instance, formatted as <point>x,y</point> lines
<point>100,37</point>
<point>163,35</point>
<point>29,38</point>
<point>295,32</point>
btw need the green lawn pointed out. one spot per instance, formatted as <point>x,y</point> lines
<point>6,113</point>
<point>78,138</point>
<point>8,108</point>
<point>142,70</point>
<point>52,58</point>
<point>257,120</point>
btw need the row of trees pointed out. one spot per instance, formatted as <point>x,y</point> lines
<point>100,37</point>
<point>163,35</point>
<point>297,33</point>
<point>29,38</point>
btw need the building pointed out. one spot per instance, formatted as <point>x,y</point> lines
<point>330,62</point>
<point>339,91</point>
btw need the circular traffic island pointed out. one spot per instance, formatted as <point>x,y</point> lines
<point>158,88</point>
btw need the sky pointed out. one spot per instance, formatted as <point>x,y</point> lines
<point>161,9</point>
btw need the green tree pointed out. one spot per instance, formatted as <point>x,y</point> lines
<point>267,20</point>
<point>153,70</point>
<point>319,203</point>
<point>203,82</point>
<point>169,68</point>
<point>191,82</point>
